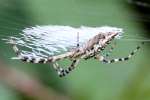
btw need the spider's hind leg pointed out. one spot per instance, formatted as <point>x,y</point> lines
<point>26,58</point>
<point>63,72</point>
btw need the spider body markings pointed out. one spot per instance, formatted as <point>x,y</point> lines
<point>92,48</point>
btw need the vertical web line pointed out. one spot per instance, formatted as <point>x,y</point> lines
<point>78,40</point>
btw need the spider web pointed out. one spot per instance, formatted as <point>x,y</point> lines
<point>52,40</point>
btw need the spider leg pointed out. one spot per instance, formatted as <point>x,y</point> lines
<point>26,58</point>
<point>36,59</point>
<point>100,50</point>
<point>63,72</point>
<point>103,59</point>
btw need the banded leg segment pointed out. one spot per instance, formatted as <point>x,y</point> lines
<point>28,58</point>
<point>103,59</point>
<point>63,72</point>
<point>97,49</point>
<point>36,59</point>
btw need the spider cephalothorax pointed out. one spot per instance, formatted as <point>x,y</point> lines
<point>92,48</point>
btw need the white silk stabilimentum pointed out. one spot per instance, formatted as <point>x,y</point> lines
<point>51,40</point>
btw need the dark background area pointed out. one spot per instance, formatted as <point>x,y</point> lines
<point>142,9</point>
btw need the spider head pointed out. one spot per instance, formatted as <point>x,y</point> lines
<point>108,37</point>
<point>111,35</point>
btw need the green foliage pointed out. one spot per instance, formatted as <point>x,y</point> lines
<point>91,80</point>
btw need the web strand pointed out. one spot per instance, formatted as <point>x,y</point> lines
<point>137,40</point>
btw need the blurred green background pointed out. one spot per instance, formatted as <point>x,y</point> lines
<point>92,80</point>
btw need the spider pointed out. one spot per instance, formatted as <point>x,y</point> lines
<point>92,49</point>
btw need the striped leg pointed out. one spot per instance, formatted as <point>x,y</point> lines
<point>25,58</point>
<point>106,55</point>
<point>63,72</point>
<point>98,48</point>
<point>103,59</point>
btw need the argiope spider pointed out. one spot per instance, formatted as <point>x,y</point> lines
<point>92,48</point>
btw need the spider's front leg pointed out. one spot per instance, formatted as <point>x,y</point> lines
<point>105,60</point>
<point>63,72</point>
